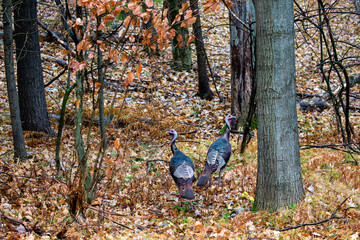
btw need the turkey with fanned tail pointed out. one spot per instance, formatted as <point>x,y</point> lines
<point>218,155</point>
<point>181,169</point>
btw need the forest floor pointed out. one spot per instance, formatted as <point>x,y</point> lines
<point>137,199</point>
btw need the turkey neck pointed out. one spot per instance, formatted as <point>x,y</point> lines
<point>173,147</point>
<point>226,134</point>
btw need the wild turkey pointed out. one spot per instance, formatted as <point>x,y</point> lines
<point>218,155</point>
<point>181,169</point>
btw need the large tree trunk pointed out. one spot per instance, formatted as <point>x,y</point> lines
<point>18,137</point>
<point>34,114</point>
<point>180,50</point>
<point>241,56</point>
<point>204,90</point>
<point>279,181</point>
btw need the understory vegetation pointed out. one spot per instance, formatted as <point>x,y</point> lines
<point>136,197</point>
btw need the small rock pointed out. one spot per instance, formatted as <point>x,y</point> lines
<point>239,210</point>
<point>7,206</point>
<point>311,188</point>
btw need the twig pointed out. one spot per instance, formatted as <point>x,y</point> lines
<point>52,33</point>
<point>55,78</point>
<point>336,147</point>
<point>110,213</point>
<point>120,224</point>
<point>261,238</point>
<point>157,160</point>
<point>15,221</point>
<point>11,188</point>
<point>236,17</point>
<point>333,216</point>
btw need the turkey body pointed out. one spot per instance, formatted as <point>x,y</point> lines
<point>181,169</point>
<point>218,156</point>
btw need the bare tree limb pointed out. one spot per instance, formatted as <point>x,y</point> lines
<point>333,216</point>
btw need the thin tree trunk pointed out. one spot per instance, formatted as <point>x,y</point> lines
<point>241,56</point>
<point>18,137</point>
<point>279,181</point>
<point>204,90</point>
<point>33,109</point>
<point>101,90</point>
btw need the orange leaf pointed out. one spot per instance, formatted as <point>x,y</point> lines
<point>178,38</point>
<point>138,70</point>
<point>137,11</point>
<point>183,6</point>
<point>184,24</point>
<point>102,25</point>
<point>80,45</point>
<point>192,20</point>
<point>131,76</point>
<point>108,172</point>
<point>117,143</point>
<point>191,38</point>
<point>116,11</point>
<point>188,14</point>
<point>124,58</point>
<point>109,17</point>
<point>165,12</point>
<point>149,3</point>
<point>64,52</point>
<point>97,85</point>
<point>77,103</point>
<point>127,20</point>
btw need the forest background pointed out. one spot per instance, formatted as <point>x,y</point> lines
<point>136,197</point>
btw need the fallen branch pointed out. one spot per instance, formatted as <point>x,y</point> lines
<point>110,213</point>
<point>14,221</point>
<point>337,147</point>
<point>333,216</point>
<point>157,160</point>
<point>55,78</point>
<point>58,39</point>
<point>11,188</point>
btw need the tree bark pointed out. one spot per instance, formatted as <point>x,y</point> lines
<point>18,137</point>
<point>279,181</point>
<point>33,109</point>
<point>180,50</point>
<point>204,91</point>
<point>241,57</point>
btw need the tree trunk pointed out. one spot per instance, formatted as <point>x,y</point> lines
<point>241,56</point>
<point>180,50</point>
<point>33,109</point>
<point>204,91</point>
<point>279,181</point>
<point>18,137</point>
<point>79,143</point>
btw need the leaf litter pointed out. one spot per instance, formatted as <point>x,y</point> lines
<point>137,198</point>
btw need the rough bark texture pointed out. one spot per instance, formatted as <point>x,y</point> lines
<point>180,50</point>
<point>204,90</point>
<point>18,137</point>
<point>241,57</point>
<point>34,114</point>
<point>279,181</point>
